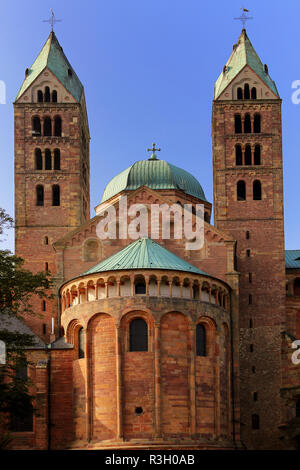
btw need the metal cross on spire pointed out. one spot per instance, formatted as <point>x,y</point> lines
<point>52,20</point>
<point>153,150</point>
<point>244,18</point>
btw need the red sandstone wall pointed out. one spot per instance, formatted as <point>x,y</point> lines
<point>61,402</point>
<point>174,375</point>
<point>103,382</point>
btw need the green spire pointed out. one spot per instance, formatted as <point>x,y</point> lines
<point>243,54</point>
<point>53,58</point>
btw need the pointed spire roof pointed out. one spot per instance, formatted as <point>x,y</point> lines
<point>243,54</point>
<point>144,253</point>
<point>53,58</point>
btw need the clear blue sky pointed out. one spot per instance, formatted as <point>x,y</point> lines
<point>148,68</point>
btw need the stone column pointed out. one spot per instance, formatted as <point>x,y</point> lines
<point>158,287</point>
<point>118,287</point>
<point>88,391</point>
<point>157,379</point>
<point>192,382</point>
<point>119,382</point>
<point>217,390</point>
<point>170,289</point>
<point>106,289</point>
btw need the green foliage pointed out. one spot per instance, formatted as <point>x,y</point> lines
<point>18,286</point>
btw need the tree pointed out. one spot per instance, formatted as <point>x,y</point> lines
<point>17,288</point>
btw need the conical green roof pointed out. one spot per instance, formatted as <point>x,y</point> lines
<point>144,253</point>
<point>243,54</point>
<point>156,174</point>
<point>53,58</point>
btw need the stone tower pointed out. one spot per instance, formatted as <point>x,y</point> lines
<point>52,194</point>
<point>248,204</point>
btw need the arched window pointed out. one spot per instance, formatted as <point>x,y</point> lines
<point>140,287</point>
<point>248,155</point>
<point>40,96</point>
<point>22,420</point>
<point>247,124</point>
<point>238,155</point>
<point>256,125</point>
<point>200,340</point>
<point>138,335</point>
<point>257,190</point>
<point>54,96</point>
<point>36,126</point>
<point>206,217</point>
<point>81,343</point>
<point>57,126</point>
<point>196,291</point>
<point>55,195</point>
<point>46,241</point>
<point>241,191</point>
<point>48,165</point>
<point>257,155</point>
<point>47,127</point>
<point>47,94</point>
<point>297,287</point>
<point>39,195</point>
<point>38,159</point>
<point>238,124</point>
<point>246,91</point>
<point>56,159</point>
<point>253,93</point>
<point>255,421</point>
<point>239,93</point>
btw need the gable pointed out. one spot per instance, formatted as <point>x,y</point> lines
<point>46,79</point>
<point>247,75</point>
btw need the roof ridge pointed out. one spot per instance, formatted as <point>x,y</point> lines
<point>144,253</point>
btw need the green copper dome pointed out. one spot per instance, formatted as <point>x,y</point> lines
<point>156,174</point>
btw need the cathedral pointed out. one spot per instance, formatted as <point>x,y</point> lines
<point>148,344</point>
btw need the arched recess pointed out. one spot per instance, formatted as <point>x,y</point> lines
<point>125,286</point>
<point>137,380</point>
<point>101,289</point>
<point>91,250</point>
<point>103,376</point>
<point>205,377</point>
<point>175,389</point>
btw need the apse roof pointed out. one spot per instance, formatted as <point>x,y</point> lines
<point>144,253</point>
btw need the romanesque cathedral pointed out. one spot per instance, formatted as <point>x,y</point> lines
<point>148,344</point>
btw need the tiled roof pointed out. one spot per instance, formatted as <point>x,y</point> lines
<point>53,58</point>
<point>292,259</point>
<point>16,325</point>
<point>243,54</point>
<point>144,254</point>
